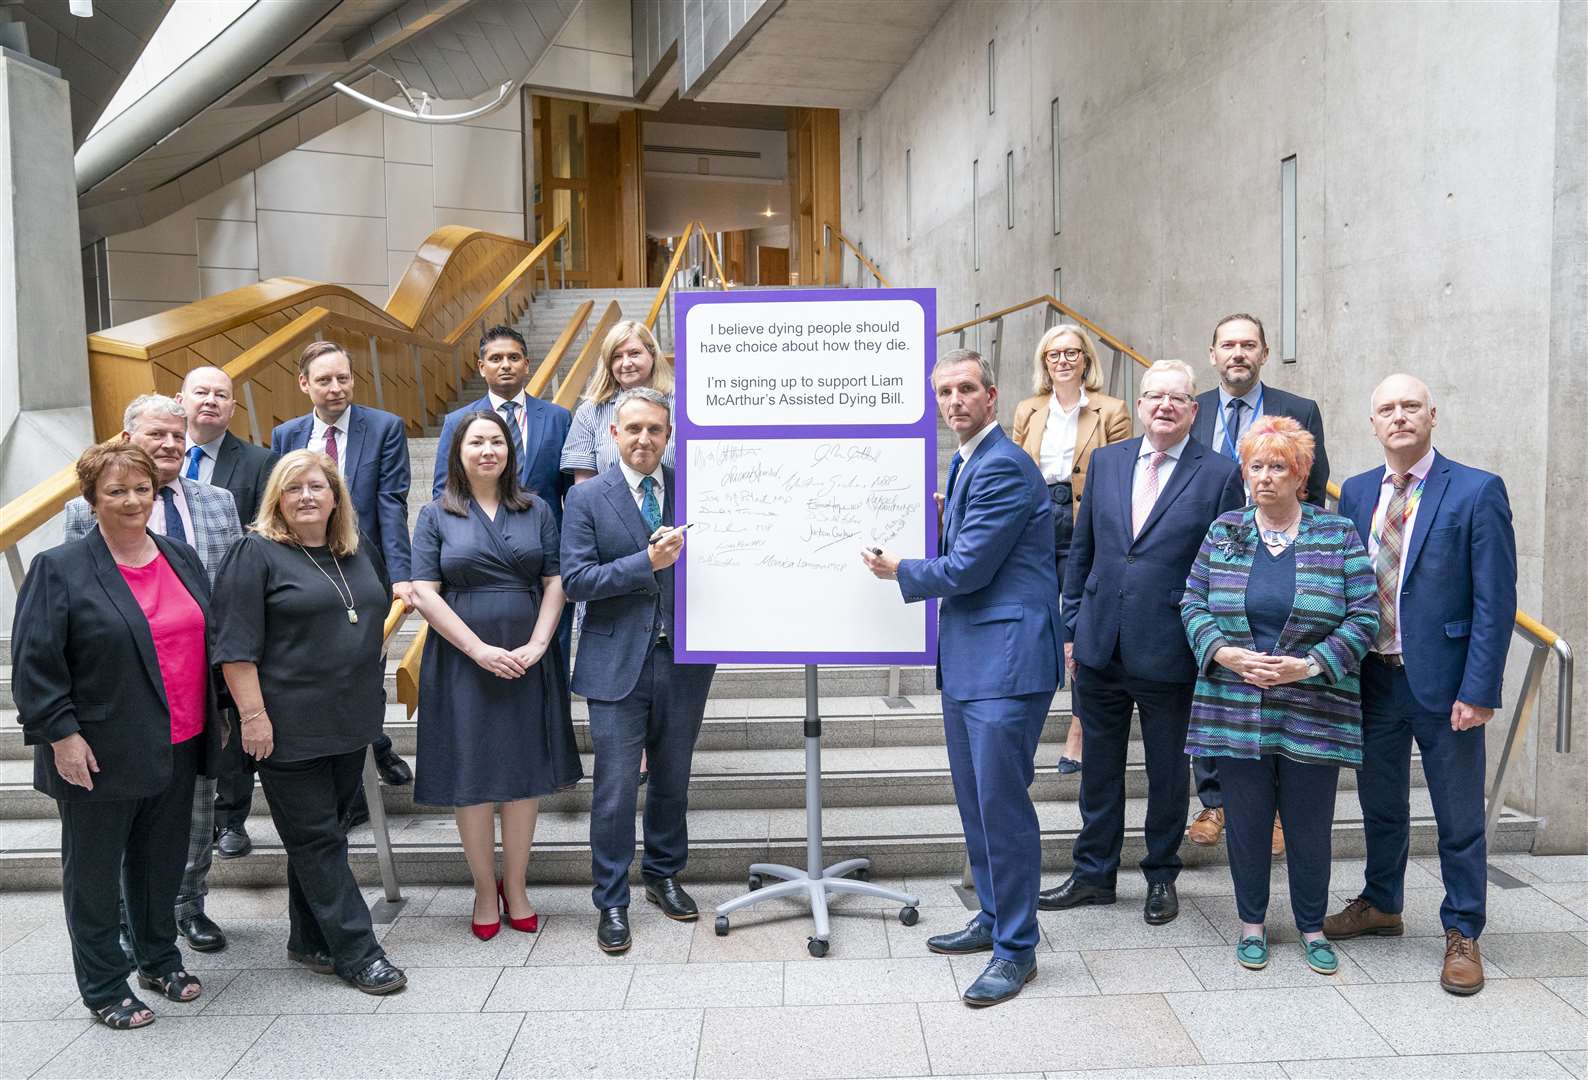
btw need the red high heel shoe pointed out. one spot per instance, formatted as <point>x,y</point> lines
<point>486,931</point>
<point>523,926</point>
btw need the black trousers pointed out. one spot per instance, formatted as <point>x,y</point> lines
<point>1304,796</point>
<point>308,800</point>
<point>132,848</point>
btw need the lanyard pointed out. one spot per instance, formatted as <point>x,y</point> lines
<point>1412,501</point>
<point>1257,410</point>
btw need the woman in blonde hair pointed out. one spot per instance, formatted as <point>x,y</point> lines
<point>300,606</point>
<point>1060,426</point>
<point>630,357</point>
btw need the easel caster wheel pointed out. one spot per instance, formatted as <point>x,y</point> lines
<point>909,916</point>
<point>755,882</point>
<point>722,926</point>
<point>817,947</point>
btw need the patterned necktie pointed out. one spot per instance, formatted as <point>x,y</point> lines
<point>510,414</point>
<point>1232,429</point>
<point>1146,494</point>
<point>954,464</point>
<point>173,517</point>
<point>1387,562</point>
<point>330,448</point>
<point>650,509</point>
<point>195,454</point>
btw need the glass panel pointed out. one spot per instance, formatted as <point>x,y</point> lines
<point>568,139</point>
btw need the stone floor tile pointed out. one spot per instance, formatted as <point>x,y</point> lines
<point>1226,919</point>
<point>1509,1015</point>
<point>571,939</point>
<point>214,983</point>
<point>238,902</point>
<point>1120,926</point>
<point>415,897</point>
<point>1573,1061</point>
<point>41,996</point>
<point>45,948</point>
<point>1571,895</point>
<point>1409,959</point>
<point>936,892</point>
<point>458,901</point>
<point>559,988</point>
<point>1026,1034</point>
<point>911,940</point>
<point>813,1041</point>
<point>1572,990</point>
<point>173,1046</point>
<point>1216,969</point>
<point>275,991</point>
<point>1553,869</point>
<point>700,986</point>
<point>1265,1070</point>
<point>1273,1025</point>
<point>25,1045</point>
<point>1534,1066</point>
<point>1535,956</point>
<point>640,1043</point>
<point>869,982</point>
<point>1348,875</point>
<point>769,932</point>
<point>1139,971</point>
<point>1059,974</point>
<point>251,944</point>
<point>443,990</point>
<point>423,941</point>
<point>439,1045</point>
<point>1510,911</point>
<point>30,907</point>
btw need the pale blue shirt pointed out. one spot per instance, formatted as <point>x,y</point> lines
<point>1249,415</point>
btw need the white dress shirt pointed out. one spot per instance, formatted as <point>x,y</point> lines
<point>317,435</point>
<point>212,450</point>
<point>1165,467</point>
<point>521,416</point>
<point>633,478</point>
<point>157,516</point>
<point>1057,455</point>
<point>1386,492</point>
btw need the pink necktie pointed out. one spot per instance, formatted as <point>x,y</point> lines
<point>1146,494</point>
<point>330,447</point>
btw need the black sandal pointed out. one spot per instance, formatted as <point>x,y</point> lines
<point>173,986</point>
<point>119,1016</point>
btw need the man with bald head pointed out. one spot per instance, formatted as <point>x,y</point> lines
<point>1444,554</point>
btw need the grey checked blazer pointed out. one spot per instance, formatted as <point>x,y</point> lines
<point>212,509</point>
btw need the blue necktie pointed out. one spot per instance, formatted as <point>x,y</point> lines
<point>173,519</point>
<point>510,409</point>
<point>650,509</point>
<point>953,474</point>
<point>195,454</point>
<point>1232,429</point>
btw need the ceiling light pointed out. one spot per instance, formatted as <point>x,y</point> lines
<point>769,212</point>
<point>83,9</point>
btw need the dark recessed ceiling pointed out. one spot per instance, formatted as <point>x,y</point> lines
<point>719,114</point>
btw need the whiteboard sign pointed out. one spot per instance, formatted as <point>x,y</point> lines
<point>790,460</point>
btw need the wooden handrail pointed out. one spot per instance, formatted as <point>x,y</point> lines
<point>491,299</point>
<point>861,255</point>
<point>672,270</point>
<point>35,506</point>
<point>711,249</point>
<point>548,367</point>
<point>408,669</point>
<point>568,394</point>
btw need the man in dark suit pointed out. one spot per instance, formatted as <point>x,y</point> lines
<point>215,456</point>
<point>998,665</point>
<point>1149,502</point>
<point>1224,414</point>
<point>1444,554</point>
<point>617,557</point>
<point>370,448</point>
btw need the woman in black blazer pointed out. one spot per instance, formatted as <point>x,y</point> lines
<point>113,688</point>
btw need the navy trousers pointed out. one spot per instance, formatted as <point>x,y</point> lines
<point>1453,764</point>
<point>1104,699</point>
<point>661,717</point>
<point>1304,796</point>
<point>992,746</point>
<point>1206,771</point>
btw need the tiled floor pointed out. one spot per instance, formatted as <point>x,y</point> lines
<point>1113,997</point>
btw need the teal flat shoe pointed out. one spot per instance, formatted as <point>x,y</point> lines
<point>1321,957</point>
<point>1252,952</point>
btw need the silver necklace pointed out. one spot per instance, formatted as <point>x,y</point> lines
<point>1279,538</point>
<point>352,615</point>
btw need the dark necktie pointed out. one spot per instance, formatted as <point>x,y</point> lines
<point>510,414</point>
<point>650,509</point>
<point>173,518</point>
<point>954,464</point>
<point>195,454</point>
<point>1387,562</point>
<point>330,447</point>
<point>1232,429</point>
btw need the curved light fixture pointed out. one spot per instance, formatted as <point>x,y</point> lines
<point>419,108</point>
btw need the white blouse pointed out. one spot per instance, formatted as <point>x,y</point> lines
<point>1058,440</point>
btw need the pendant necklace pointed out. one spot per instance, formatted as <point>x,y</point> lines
<point>1279,538</point>
<point>352,615</point>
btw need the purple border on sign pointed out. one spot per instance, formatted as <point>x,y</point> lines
<point>924,428</point>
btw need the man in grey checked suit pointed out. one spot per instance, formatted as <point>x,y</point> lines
<point>205,518</point>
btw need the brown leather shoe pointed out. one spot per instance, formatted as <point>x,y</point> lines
<point>1277,847</point>
<point>1463,971</point>
<point>1361,919</point>
<point>1207,827</point>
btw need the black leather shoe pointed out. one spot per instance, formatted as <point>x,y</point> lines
<point>1073,894</point>
<point>975,937</point>
<point>612,931</point>
<point>201,933</point>
<point>380,978</point>
<point>234,843</point>
<point>320,963</point>
<point>667,894</point>
<point>999,981</point>
<point>1163,905</point>
<point>394,771</point>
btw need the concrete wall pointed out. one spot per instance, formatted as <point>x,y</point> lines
<point>705,32</point>
<point>1426,202</point>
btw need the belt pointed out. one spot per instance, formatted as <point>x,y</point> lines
<point>1389,659</point>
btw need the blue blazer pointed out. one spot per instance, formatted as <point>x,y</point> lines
<point>998,625</point>
<point>1125,591</point>
<point>375,468</point>
<point>538,469</point>
<point>1458,594</point>
<point>1276,402</point>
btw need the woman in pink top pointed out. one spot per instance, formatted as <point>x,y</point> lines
<point>112,684</point>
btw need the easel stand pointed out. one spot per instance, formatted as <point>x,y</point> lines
<point>814,883</point>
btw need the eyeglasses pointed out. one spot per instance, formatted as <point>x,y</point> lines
<point>1053,356</point>
<point>1157,397</point>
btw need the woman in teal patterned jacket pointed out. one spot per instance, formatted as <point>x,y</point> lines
<point>1280,608</point>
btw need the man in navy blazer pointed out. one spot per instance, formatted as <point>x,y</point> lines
<point>1148,504</point>
<point>617,557</point>
<point>998,665</point>
<point>1225,413</point>
<point>1444,553</point>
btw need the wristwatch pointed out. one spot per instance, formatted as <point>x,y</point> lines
<point>1314,669</point>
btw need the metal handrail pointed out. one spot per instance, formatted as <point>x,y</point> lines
<point>829,231</point>
<point>664,290</point>
<point>390,885</point>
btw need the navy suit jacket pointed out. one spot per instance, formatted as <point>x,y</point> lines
<point>243,469</point>
<point>1276,402</point>
<point>1124,591</point>
<point>998,625</point>
<point>538,469</point>
<point>1458,592</point>
<point>375,468</point>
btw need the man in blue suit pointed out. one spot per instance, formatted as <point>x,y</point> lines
<point>370,448</point>
<point>617,557</point>
<point>997,664</point>
<point>1149,502</point>
<point>1444,553</point>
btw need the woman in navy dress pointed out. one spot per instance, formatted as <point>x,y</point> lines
<point>494,719</point>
